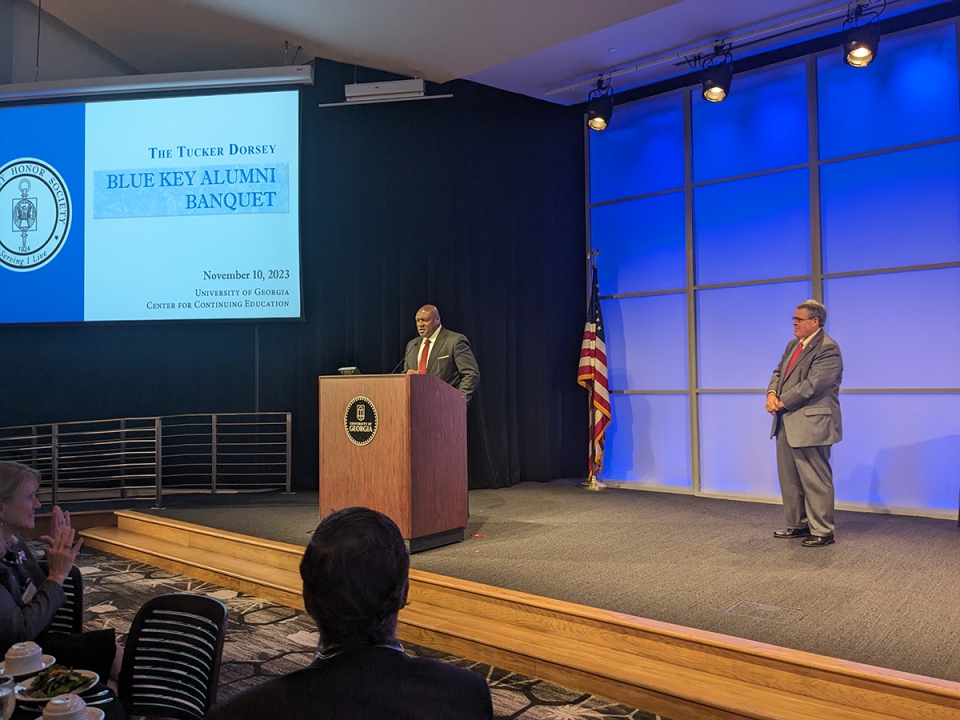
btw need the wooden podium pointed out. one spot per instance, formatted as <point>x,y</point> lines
<point>412,467</point>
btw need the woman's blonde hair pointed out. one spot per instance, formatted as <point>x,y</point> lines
<point>14,476</point>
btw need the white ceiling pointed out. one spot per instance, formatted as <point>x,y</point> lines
<point>526,46</point>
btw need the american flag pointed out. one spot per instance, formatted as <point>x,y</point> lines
<point>592,374</point>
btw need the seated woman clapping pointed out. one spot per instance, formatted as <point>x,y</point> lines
<point>28,598</point>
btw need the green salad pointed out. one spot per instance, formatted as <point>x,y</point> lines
<point>56,680</point>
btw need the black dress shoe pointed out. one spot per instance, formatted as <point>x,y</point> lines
<point>818,541</point>
<point>791,533</point>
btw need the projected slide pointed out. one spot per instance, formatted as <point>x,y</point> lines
<point>159,209</point>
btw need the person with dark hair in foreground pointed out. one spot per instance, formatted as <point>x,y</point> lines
<point>355,579</point>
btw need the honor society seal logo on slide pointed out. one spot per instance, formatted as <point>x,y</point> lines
<point>35,214</point>
<point>360,421</point>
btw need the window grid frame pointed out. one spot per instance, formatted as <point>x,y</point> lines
<point>817,277</point>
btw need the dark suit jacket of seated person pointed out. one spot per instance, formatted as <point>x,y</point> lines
<point>355,579</point>
<point>28,598</point>
<point>450,357</point>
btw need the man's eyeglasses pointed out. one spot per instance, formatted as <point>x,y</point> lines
<point>799,319</point>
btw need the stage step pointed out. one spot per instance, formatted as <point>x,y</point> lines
<point>666,669</point>
<point>671,670</point>
<point>260,567</point>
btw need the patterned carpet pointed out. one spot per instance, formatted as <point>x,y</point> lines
<point>265,640</point>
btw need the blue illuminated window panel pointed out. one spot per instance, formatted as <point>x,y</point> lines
<point>892,210</point>
<point>642,244</point>
<point>761,125</point>
<point>897,330</point>
<point>908,94</point>
<point>899,452</point>
<point>753,229</point>
<point>737,456</point>
<point>742,332</point>
<point>641,152</point>
<point>647,342</point>
<point>648,441</point>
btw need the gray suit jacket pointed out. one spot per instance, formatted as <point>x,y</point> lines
<point>451,360</point>
<point>810,393</point>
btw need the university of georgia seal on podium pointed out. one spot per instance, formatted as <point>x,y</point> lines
<point>360,421</point>
<point>36,202</point>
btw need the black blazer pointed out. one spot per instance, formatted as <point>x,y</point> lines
<point>372,683</point>
<point>451,360</point>
<point>20,621</point>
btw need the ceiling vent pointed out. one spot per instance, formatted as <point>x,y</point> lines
<point>392,91</point>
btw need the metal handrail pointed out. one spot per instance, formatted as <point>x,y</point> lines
<point>111,458</point>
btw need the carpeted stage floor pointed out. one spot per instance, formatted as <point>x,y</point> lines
<point>886,594</point>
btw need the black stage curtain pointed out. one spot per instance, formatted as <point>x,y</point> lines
<point>474,204</point>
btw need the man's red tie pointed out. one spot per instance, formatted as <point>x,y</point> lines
<point>422,370</point>
<point>793,360</point>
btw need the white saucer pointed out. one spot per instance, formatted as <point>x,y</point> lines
<point>46,661</point>
<point>93,713</point>
<point>23,688</point>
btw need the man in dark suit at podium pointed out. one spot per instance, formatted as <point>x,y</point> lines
<point>441,352</point>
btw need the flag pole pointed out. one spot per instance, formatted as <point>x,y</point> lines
<point>591,483</point>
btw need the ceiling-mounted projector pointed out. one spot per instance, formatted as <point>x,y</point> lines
<point>384,91</point>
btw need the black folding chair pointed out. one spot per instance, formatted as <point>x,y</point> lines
<point>69,618</point>
<point>171,660</point>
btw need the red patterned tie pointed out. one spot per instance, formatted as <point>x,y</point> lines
<point>422,370</point>
<point>793,360</point>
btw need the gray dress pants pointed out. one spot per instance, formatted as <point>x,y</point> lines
<point>806,485</point>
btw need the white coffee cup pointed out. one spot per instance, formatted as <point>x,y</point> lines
<point>23,658</point>
<point>65,707</point>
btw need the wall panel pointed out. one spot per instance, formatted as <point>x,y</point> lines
<point>642,244</point>
<point>897,330</point>
<point>753,229</point>
<point>641,152</point>
<point>647,342</point>
<point>742,332</point>
<point>761,125</point>
<point>872,209</point>
<point>648,442</point>
<point>908,94</point>
<point>737,456</point>
<point>899,452</point>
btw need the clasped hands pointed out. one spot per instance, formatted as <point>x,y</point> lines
<point>773,403</point>
<point>62,550</point>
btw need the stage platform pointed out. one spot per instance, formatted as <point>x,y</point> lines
<point>884,595</point>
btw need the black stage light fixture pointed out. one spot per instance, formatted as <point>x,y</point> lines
<point>861,33</point>
<point>717,73</point>
<point>716,81</point>
<point>600,106</point>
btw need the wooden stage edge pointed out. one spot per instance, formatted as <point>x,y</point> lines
<point>666,669</point>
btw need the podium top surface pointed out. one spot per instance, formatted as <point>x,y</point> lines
<point>362,375</point>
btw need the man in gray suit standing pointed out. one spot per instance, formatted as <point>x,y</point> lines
<point>441,352</point>
<point>803,397</point>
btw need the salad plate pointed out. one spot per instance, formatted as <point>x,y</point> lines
<point>23,688</point>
